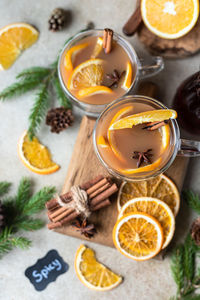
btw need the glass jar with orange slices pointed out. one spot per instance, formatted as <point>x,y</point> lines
<point>137,138</point>
<point>92,78</point>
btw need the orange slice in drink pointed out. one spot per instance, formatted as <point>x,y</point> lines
<point>170,19</point>
<point>157,209</point>
<point>93,90</point>
<point>157,115</point>
<point>14,38</point>
<point>35,156</point>
<point>87,74</point>
<point>101,141</point>
<point>116,117</point>
<point>138,236</point>
<point>165,132</point>
<point>148,168</point>
<point>98,47</point>
<point>71,54</point>
<point>128,77</point>
<point>93,274</point>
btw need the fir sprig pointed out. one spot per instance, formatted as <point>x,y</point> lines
<point>18,210</point>
<point>4,187</point>
<point>42,79</point>
<point>184,268</point>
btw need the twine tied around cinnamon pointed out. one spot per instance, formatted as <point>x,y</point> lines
<point>79,203</point>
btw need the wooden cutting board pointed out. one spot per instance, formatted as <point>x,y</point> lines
<point>84,165</point>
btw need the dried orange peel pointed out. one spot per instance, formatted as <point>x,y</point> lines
<point>35,156</point>
<point>14,38</point>
<point>93,274</point>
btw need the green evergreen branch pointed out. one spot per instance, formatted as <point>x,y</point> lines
<point>4,187</point>
<point>192,200</point>
<point>64,101</point>
<point>177,267</point>
<point>23,193</point>
<point>28,224</point>
<point>189,258</point>
<point>34,73</point>
<point>39,109</point>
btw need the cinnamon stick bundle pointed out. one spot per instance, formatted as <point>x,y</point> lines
<point>98,191</point>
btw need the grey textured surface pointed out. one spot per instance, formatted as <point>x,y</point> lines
<point>147,280</point>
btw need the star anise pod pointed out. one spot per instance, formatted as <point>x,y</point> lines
<point>115,76</point>
<point>142,157</point>
<point>88,230</point>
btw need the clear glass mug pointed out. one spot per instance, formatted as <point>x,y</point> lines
<point>177,145</point>
<point>141,71</point>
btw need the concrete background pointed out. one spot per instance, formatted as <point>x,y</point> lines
<point>150,280</point>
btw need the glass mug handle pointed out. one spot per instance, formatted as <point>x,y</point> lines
<point>189,148</point>
<point>154,68</point>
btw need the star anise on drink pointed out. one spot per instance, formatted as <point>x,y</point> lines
<point>115,76</point>
<point>143,157</point>
<point>86,229</point>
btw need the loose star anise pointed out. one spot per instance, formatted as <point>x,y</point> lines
<point>115,77</point>
<point>143,157</point>
<point>88,230</point>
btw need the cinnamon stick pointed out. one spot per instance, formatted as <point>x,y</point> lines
<point>65,213</point>
<point>101,189</point>
<point>107,40</point>
<point>96,186</point>
<point>133,22</point>
<point>100,205</point>
<point>105,194</point>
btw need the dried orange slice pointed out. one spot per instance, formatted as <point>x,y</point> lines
<point>87,74</point>
<point>93,274</point>
<point>35,156</point>
<point>128,77</point>
<point>157,209</point>
<point>93,90</point>
<point>14,38</point>
<point>71,54</point>
<point>157,115</point>
<point>170,19</point>
<point>98,47</point>
<point>116,117</point>
<point>101,141</point>
<point>160,187</point>
<point>138,236</point>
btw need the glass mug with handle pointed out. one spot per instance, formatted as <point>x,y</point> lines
<point>83,63</point>
<point>134,152</point>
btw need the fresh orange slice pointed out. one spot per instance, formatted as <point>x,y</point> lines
<point>101,141</point>
<point>116,117</point>
<point>157,209</point>
<point>98,47</point>
<point>160,187</point>
<point>87,74</point>
<point>128,77</point>
<point>138,236</point>
<point>93,90</point>
<point>71,54</point>
<point>170,19</point>
<point>14,38</point>
<point>93,274</point>
<point>35,156</point>
<point>157,115</point>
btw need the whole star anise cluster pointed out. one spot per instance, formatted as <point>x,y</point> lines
<point>115,77</point>
<point>143,157</point>
<point>86,229</point>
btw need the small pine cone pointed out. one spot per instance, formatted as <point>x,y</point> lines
<point>59,119</point>
<point>57,19</point>
<point>195,231</point>
<point>1,217</point>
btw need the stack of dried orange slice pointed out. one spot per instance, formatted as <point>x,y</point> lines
<point>146,220</point>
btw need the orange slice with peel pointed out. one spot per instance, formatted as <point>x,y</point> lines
<point>101,141</point>
<point>87,74</point>
<point>165,133</point>
<point>157,209</point>
<point>35,156</point>
<point>138,236</point>
<point>98,47</point>
<point>160,187</point>
<point>71,54</point>
<point>116,117</point>
<point>128,77</point>
<point>93,90</point>
<point>14,38</point>
<point>170,19</point>
<point>157,115</point>
<point>147,168</point>
<point>93,274</point>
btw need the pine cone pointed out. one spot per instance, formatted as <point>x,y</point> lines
<point>195,231</point>
<point>57,19</point>
<point>59,119</point>
<point>1,217</point>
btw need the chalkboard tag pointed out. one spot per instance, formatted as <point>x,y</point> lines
<point>46,270</point>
